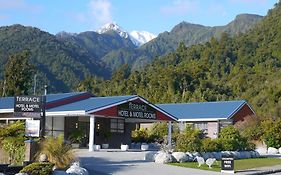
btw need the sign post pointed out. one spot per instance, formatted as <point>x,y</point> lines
<point>227,164</point>
<point>31,107</point>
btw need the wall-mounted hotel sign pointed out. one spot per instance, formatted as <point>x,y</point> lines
<point>28,106</point>
<point>136,110</point>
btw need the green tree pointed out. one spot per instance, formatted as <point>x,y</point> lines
<point>18,74</point>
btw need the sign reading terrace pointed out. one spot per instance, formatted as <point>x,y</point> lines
<point>136,110</point>
<point>27,106</point>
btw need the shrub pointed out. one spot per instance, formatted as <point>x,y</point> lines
<point>158,131</point>
<point>58,152</point>
<point>12,141</point>
<point>190,140</point>
<point>231,139</point>
<point>272,130</point>
<point>250,128</point>
<point>140,135</point>
<point>211,145</point>
<point>38,168</point>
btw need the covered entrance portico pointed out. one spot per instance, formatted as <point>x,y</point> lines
<point>111,119</point>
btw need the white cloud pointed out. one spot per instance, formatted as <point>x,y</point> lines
<point>180,7</point>
<point>100,11</point>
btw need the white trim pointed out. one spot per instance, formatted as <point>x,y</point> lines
<point>11,110</point>
<point>131,99</point>
<point>111,105</point>
<point>201,119</point>
<point>237,109</point>
<point>159,109</point>
<point>17,118</point>
<point>66,113</point>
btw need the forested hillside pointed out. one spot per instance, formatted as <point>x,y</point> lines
<point>244,67</point>
<point>59,64</point>
<point>168,42</point>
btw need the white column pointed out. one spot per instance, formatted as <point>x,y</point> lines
<point>170,135</point>
<point>92,133</point>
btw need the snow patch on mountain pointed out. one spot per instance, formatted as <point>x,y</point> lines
<point>115,27</point>
<point>141,37</point>
<point>137,37</point>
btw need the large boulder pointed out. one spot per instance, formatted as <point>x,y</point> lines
<point>237,154</point>
<point>180,156</point>
<point>59,172</point>
<point>272,150</point>
<point>150,156</point>
<point>207,155</point>
<point>43,158</point>
<point>261,150</point>
<point>279,150</point>
<point>217,155</point>
<point>19,174</point>
<point>163,158</point>
<point>245,154</point>
<point>75,169</point>
<point>254,154</point>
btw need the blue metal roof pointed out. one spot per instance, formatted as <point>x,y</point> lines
<point>8,102</point>
<point>91,103</point>
<point>203,110</point>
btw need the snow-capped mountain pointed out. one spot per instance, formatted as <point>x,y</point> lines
<point>142,37</point>
<point>113,26</point>
<point>138,38</point>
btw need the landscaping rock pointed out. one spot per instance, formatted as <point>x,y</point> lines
<point>43,158</point>
<point>255,154</point>
<point>245,154</point>
<point>59,172</point>
<point>180,157</point>
<point>150,156</point>
<point>206,155</point>
<point>163,158</point>
<point>20,174</point>
<point>279,150</point>
<point>226,153</point>
<point>217,155</point>
<point>196,154</point>
<point>75,169</point>
<point>272,150</point>
<point>261,150</point>
<point>236,154</point>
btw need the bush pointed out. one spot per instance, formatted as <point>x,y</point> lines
<point>250,128</point>
<point>140,135</point>
<point>190,140</point>
<point>38,168</point>
<point>58,152</point>
<point>158,131</point>
<point>12,141</point>
<point>272,130</point>
<point>211,145</point>
<point>231,140</point>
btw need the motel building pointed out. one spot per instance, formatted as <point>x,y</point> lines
<point>209,117</point>
<point>118,116</point>
<point>95,116</point>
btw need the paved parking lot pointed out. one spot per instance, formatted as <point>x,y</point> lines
<point>132,163</point>
<point>129,163</point>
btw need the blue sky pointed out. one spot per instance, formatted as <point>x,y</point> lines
<point>154,16</point>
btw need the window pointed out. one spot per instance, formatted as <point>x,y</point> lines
<point>203,126</point>
<point>117,125</point>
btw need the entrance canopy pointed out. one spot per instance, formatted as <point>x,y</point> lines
<point>132,108</point>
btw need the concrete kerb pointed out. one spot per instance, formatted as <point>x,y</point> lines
<point>262,170</point>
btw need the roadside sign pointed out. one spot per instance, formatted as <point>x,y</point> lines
<point>227,164</point>
<point>28,106</point>
<point>32,128</point>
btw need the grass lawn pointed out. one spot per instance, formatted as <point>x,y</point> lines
<point>242,164</point>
